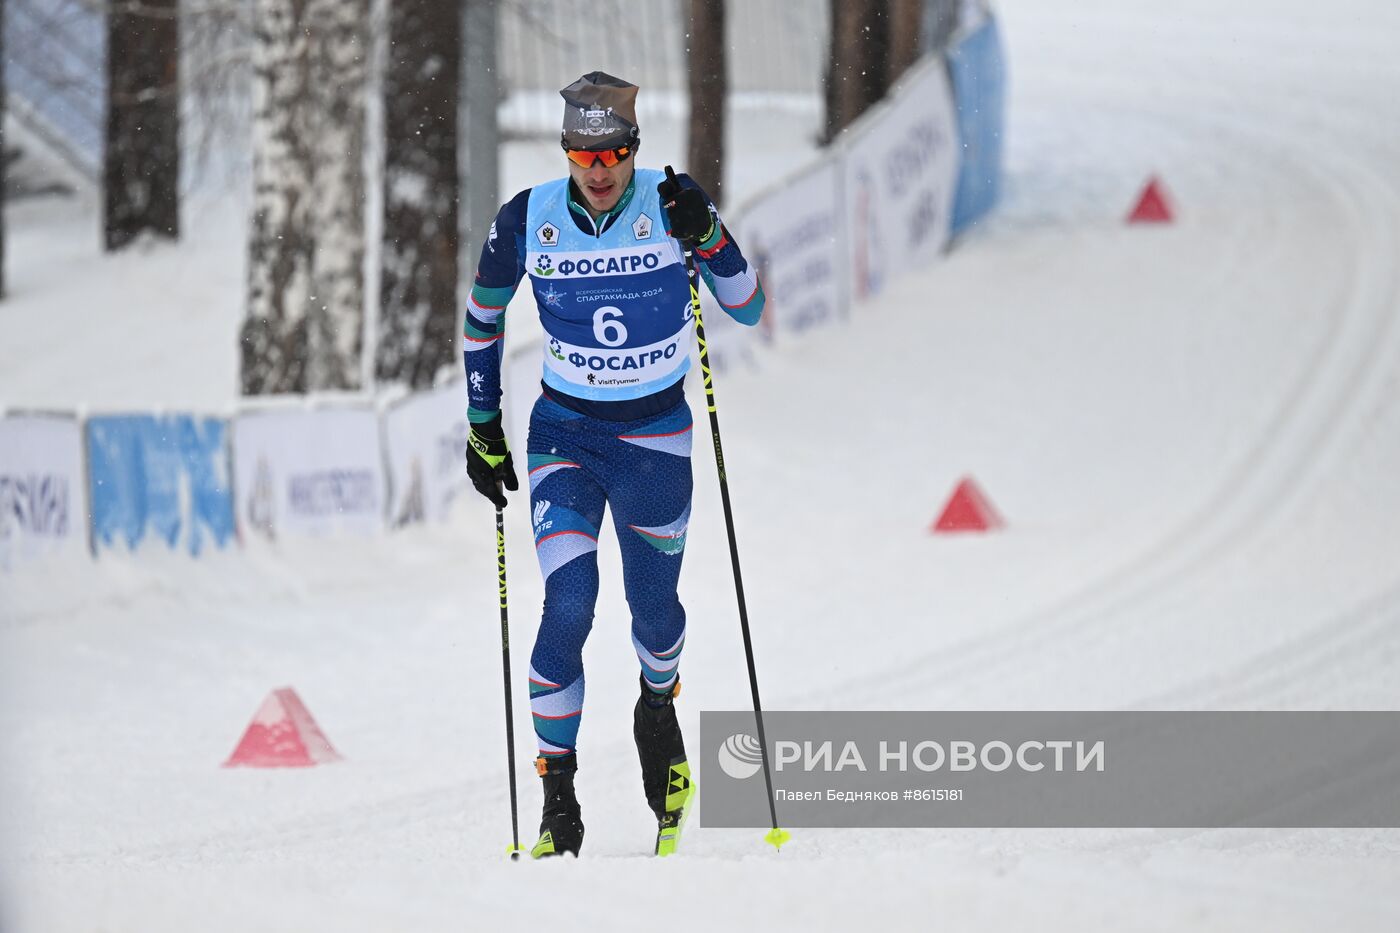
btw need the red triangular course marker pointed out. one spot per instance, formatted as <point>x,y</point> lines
<point>1152,206</point>
<point>282,735</point>
<point>967,510</point>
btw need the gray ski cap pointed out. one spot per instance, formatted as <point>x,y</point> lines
<point>600,112</point>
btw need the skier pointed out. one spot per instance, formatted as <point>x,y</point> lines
<point>611,427</point>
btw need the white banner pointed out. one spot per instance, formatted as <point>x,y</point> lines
<point>425,439</point>
<point>43,488</point>
<point>308,472</point>
<point>901,168</point>
<point>791,236</point>
<point>732,345</point>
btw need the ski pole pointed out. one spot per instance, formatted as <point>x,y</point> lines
<point>505,670</point>
<point>776,837</point>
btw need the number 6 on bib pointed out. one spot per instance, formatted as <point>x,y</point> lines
<point>608,331</point>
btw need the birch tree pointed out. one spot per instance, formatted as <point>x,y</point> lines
<point>304,329</point>
<point>418,272</point>
<point>141,161</point>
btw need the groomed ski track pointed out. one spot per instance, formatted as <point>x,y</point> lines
<point>1193,432</point>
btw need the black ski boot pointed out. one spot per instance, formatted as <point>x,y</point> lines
<point>665,771</point>
<point>561,828</point>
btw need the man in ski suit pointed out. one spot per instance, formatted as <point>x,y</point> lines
<point>603,251</point>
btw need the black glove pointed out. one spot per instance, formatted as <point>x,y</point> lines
<point>489,461</point>
<point>688,211</point>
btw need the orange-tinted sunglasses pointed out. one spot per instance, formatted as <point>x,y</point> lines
<point>586,157</point>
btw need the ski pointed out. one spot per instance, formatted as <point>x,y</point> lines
<point>681,792</point>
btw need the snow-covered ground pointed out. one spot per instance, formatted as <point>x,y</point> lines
<point>1193,432</point>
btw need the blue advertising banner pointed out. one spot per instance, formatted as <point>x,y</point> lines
<point>979,89</point>
<point>167,476</point>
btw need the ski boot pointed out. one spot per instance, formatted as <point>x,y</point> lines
<point>561,828</point>
<point>665,771</point>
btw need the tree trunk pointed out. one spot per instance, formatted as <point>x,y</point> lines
<point>858,66</point>
<point>709,90</point>
<point>418,283</point>
<point>141,170</point>
<point>906,23</point>
<point>4,153</point>
<point>940,21</point>
<point>305,325</point>
<point>478,150</point>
